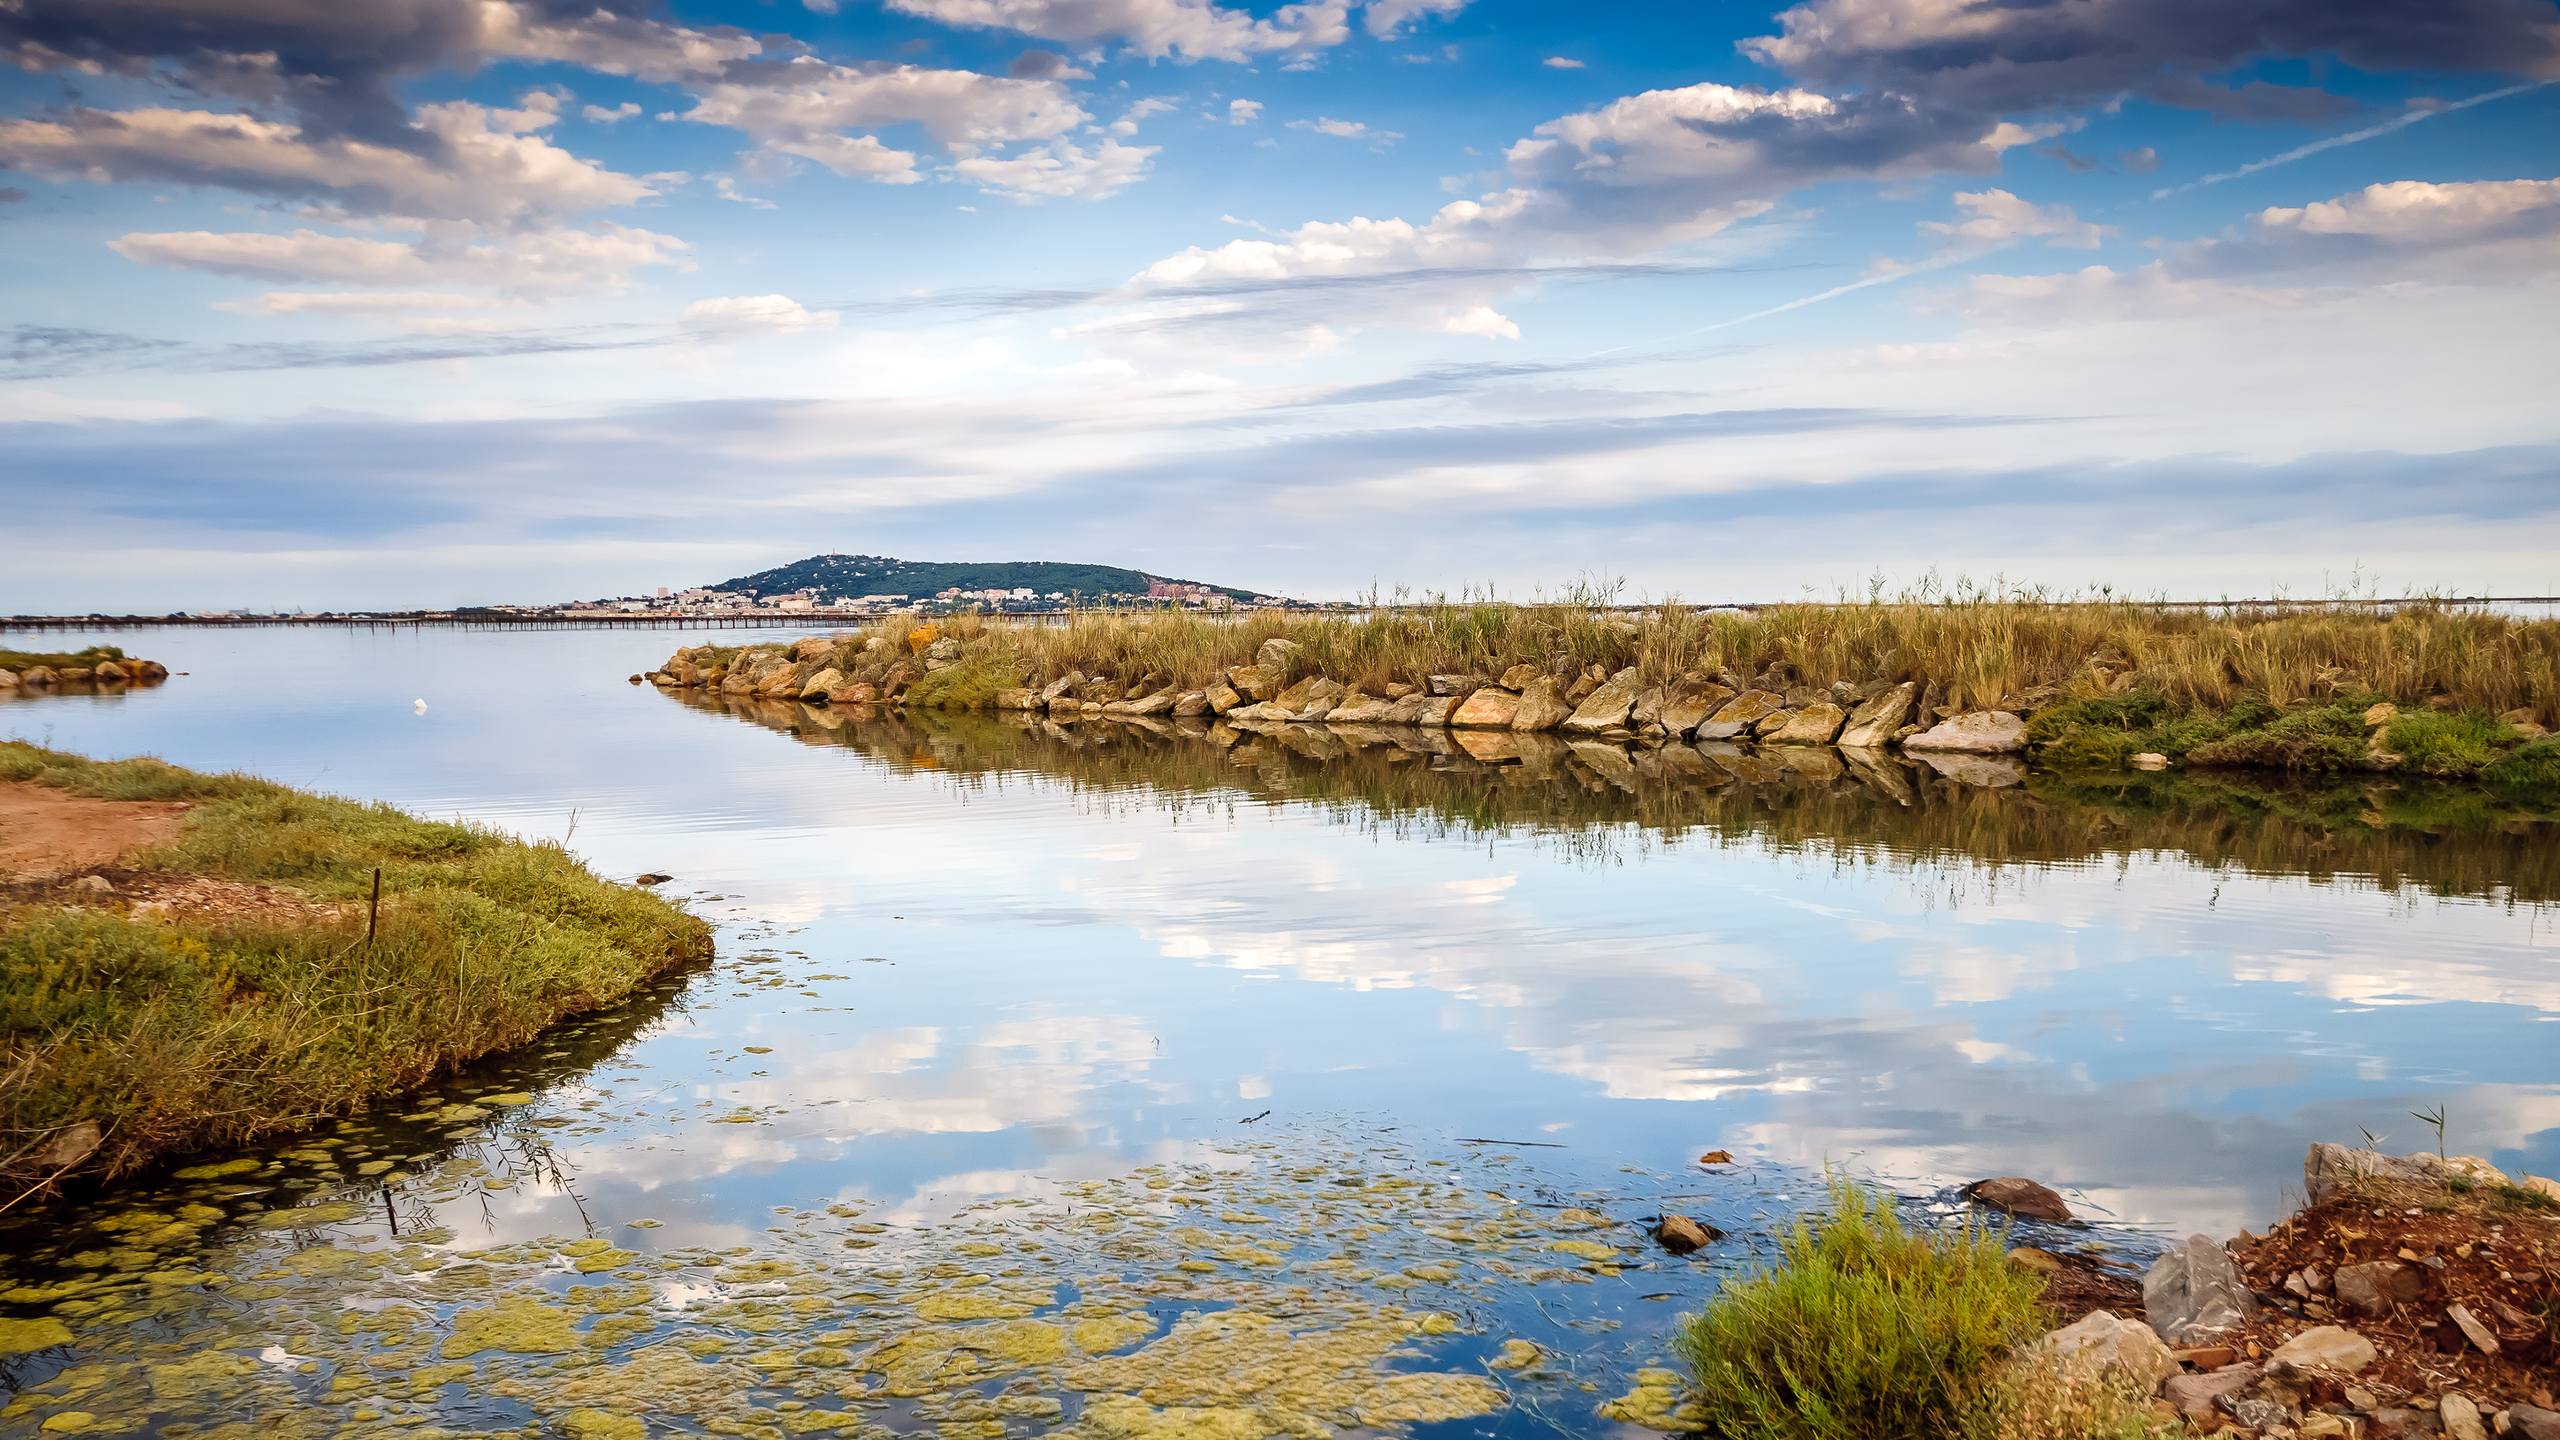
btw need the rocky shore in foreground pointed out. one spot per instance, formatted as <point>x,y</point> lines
<point>2410,1296</point>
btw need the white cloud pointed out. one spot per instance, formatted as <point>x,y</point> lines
<point>807,104</point>
<point>1388,18</point>
<point>1483,321</point>
<point>1060,170</point>
<point>739,315</point>
<point>1561,62</point>
<point>1345,129</point>
<point>1137,114</point>
<point>2418,212</point>
<point>615,116</point>
<point>1157,29</point>
<point>491,169</point>
<point>1243,112</point>
<point>597,257</point>
<point>1994,218</point>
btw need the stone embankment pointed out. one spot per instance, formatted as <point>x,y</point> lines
<point>2413,1296</point>
<point>107,676</point>
<point>1593,703</point>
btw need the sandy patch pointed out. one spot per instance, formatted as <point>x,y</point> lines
<point>46,832</point>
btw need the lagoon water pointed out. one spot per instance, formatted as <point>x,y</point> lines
<point>978,986</point>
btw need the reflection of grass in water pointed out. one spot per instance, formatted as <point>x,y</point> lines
<point>2450,839</point>
<point>1345,1286</point>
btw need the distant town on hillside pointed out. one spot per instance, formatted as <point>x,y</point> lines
<point>836,584</point>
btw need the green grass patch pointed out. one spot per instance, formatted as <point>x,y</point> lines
<point>970,683</point>
<point>59,659</point>
<point>1863,1330</point>
<point>2530,775</point>
<point>2431,742</point>
<point>183,1034</point>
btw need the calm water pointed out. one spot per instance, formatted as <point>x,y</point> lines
<point>979,984</point>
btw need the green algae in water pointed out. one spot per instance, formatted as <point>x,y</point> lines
<point>1292,1298</point>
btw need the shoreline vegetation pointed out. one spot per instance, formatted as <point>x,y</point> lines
<point>2438,692</point>
<point>231,978</point>
<point>102,668</point>
<point>2407,1296</point>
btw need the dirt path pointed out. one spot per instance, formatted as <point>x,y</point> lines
<point>46,832</point>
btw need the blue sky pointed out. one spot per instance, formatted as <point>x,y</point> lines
<point>432,301</point>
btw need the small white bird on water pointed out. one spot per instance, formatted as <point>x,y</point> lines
<point>421,704</point>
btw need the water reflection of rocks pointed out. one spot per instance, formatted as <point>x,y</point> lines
<point>1868,806</point>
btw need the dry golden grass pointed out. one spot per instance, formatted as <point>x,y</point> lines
<point>1983,652</point>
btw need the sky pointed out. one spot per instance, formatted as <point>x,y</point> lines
<point>430,302</point>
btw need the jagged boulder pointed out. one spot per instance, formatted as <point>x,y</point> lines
<point>1490,708</point>
<point>1275,655</point>
<point>818,684</point>
<point>1737,716</point>
<point>2102,1344</point>
<point>1686,707</point>
<point>1981,732</point>
<point>1542,706</point>
<point>2194,1293</point>
<point>1815,724</point>
<point>1879,718</point>
<point>1608,706</point>
<point>1255,682</point>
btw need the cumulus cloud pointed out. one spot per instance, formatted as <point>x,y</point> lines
<point>1156,29</point>
<point>1346,130</point>
<point>1561,62</point>
<point>337,86</point>
<point>1985,56</point>
<point>731,316</point>
<point>1994,218</point>
<point>598,114</point>
<point>1243,112</point>
<point>1061,169</point>
<point>1387,19</point>
<point>492,167</point>
<point>601,256</point>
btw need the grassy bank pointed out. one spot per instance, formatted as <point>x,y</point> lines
<point>207,1025</point>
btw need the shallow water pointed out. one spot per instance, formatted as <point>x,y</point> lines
<point>982,987</point>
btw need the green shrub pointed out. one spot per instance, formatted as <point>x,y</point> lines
<point>1864,1330</point>
<point>971,682</point>
<point>2529,775</point>
<point>2430,742</point>
<point>2319,738</point>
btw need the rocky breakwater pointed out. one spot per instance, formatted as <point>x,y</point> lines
<point>2410,1296</point>
<point>77,674</point>
<point>1772,708</point>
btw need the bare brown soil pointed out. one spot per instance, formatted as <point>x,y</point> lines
<point>2499,1260</point>
<point>56,848</point>
<point>45,832</point>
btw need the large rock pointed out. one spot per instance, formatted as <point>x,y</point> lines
<point>1224,697</point>
<point>2194,1395</point>
<point>1274,656</point>
<point>1688,706</point>
<point>2101,1344</point>
<point>1435,711</point>
<point>2378,1287</point>
<point>1815,724</point>
<point>2327,1169</point>
<point>1190,704</point>
<point>1879,718</point>
<point>1542,706</point>
<point>830,678</point>
<point>1983,732</point>
<point>2326,1347</point>
<point>809,648</point>
<point>1519,676</point>
<point>1359,709</point>
<point>2194,1293</point>
<point>2460,1417</point>
<point>1738,715</point>
<point>2533,1422</point>
<point>1490,708</point>
<point>8,679</point>
<point>1607,708</point>
<point>37,677</point>
<point>1255,682</point>
<point>1310,699</point>
<point>1456,687</point>
<point>2019,1196</point>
